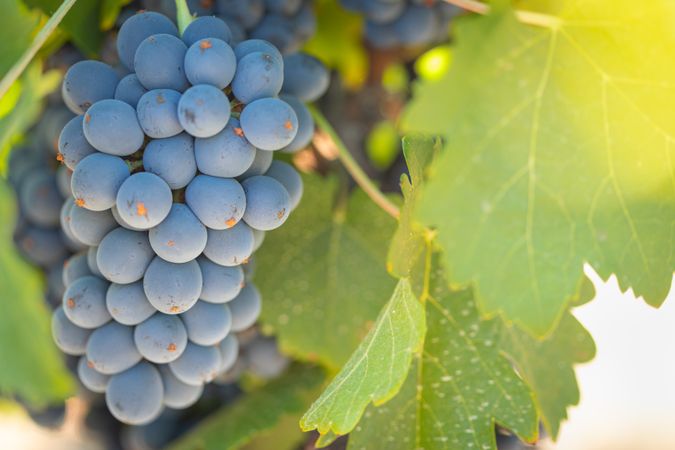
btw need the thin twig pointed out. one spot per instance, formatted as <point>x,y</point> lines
<point>39,40</point>
<point>526,17</point>
<point>353,167</point>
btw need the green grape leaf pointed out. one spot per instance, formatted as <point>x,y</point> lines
<point>256,413</point>
<point>559,152</point>
<point>17,24</point>
<point>322,274</point>
<point>110,9</point>
<point>458,389</point>
<point>375,371</point>
<point>32,367</point>
<point>284,436</point>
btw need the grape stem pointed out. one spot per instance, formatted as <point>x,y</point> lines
<point>352,166</point>
<point>183,16</point>
<point>38,41</point>
<point>526,17</point>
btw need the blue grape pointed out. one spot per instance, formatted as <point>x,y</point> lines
<point>74,268</point>
<point>285,174</point>
<point>206,27</point>
<point>381,36</point>
<point>111,349</point>
<point>220,284</point>
<point>158,113</point>
<point>96,180</point>
<point>136,29</point>
<point>55,286</point>
<point>237,31</point>
<point>64,219</point>
<point>285,7</point>
<point>63,176</point>
<point>382,11</point>
<point>277,30</point>
<point>73,146</point>
<point>305,77</point>
<point>247,13</point>
<point>121,221</point>
<point>47,131</point>
<point>230,247</point>
<point>261,164</point>
<point>229,350</point>
<point>42,246</point>
<point>269,123</point>
<point>135,396</point>
<point>219,203</point>
<point>90,227</point>
<point>111,126</point>
<point>172,159</point>
<point>69,338</point>
<point>172,288</point>
<point>178,395</point>
<point>304,22</point>
<point>180,238</point>
<point>203,110</point>
<point>86,83</point>
<point>210,61</point>
<point>245,309</point>
<point>258,75</point>
<point>207,323</point>
<point>416,26</point>
<point>197,365</point>
<point>130,90</point>
<point>161,338</point>
<point>144,200</point>
<point>158,63</point>
<point>267,203</point>
<point>90,378</point>
<point>84,302</point>
<point>228,154</point>
<point>305,125</point>
<point>91,261</point>
<point>264,358</point>
<point>123,255</point>
<point>258,239</point>
<point>256,45</point>
<point>127,303</point>
<point>39,199</point>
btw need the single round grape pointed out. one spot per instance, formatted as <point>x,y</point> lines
<point>245,309</point>
<point>123,255</point>
<point>284,7</point>
<point>227,154</point>
<point>42,246</point>
<point>75,268</point>
<point>111,126</point>
<point>111,349</point>
<point>247,13</point>
<point>90,378</point>
<point>73,146</point>
<point>229,350</point>
<point>269,123</point>
<point>158,113</point>
<point>84,302</point>
<point>158,63</point>
<point>203,110</point>
<point>178,395</point>
<point>91,261</point>
<point>207,323</point>
<point>259,75</point>
<point>305,77</point>
<point>285,174</point>
<point>63,176</point>
<point>90,227</point>
<point>230,247</point>
<point>136,29</point>
<point>144,200</point>
<point>130,90</point>
<point>135,396</point>
<point>220,284</point>
<point>96,180</point>
<point>69,338</point>
<point>87,82</point>
<point>305,125</point>
<point>180,238</point>
<point>39,199</point>
<point>121,221</point>
<point>206,27</point>
<point>197,365</point>
<point>256,45</point>
<point>172,159</point>
<point>261,164</point>
<point>267,203</point>
<point>264,358</point>
<point>277,30</point>
<point>219,203</point>
<point>172,288</point>
<point>127,303</point>
<point>415,26</point>
<point>161,338</point>
<point>210,61</point>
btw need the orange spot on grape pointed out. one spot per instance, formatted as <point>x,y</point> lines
<point>170,243</point>
<point>171,347</point>
<point>288,125</point>
<point>160,99</point>
<point>87,118</point>
<point>90,364</point>
<point>80,202</point>
<point>174,309</point>
<point>238,131</point>
<point>281,214</point>
<point>205,44</point>
<point>70,303</point>
<point>141,210</point>
<point>59,157</point>
<point>231,222</point>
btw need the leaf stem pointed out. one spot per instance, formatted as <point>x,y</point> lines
<point>38,41</point>
<point>183,16</point>
<point>353,167</point>
<point>526,17</point>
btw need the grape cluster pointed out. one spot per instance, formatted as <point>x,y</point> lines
<point>285,23</point>
<point>404,23</point>
<point>173,188</point>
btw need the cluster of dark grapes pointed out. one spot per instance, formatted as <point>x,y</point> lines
<point>285,23</point>
<point>404,23</point>
<point>173,188</point>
